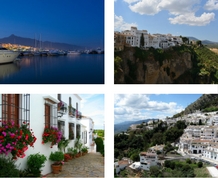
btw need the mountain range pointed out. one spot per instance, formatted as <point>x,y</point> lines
<point>123,126</point>
<point>13,39</point>
<point>204,42</point>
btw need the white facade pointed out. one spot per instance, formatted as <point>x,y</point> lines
<point>72,126</point>
<point>148,159</point>
<point>211,152</point>
<point>133,37</point>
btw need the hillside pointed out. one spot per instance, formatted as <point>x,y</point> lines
<point>206,103</point>
<point>176,65</point>
<point>13,39</point>
<point>122,127</point>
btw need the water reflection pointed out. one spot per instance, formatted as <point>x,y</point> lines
<point>7,70</point>
<point>79,69</point>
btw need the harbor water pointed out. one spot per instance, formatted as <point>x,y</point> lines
<point>74,69</point>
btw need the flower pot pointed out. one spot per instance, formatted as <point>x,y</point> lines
<point>66,159</point>
<point>56,168</point>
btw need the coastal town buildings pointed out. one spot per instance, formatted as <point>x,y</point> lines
<point>62,111</point>
<point>148,159</point>
<point>133,37</point>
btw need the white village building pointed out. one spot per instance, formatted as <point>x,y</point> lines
<point>133,37</point>
<point>39,110</point>
<point>148,159</point>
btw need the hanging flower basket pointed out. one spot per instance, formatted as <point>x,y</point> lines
<point>51,134</point>
<point>15,139</point>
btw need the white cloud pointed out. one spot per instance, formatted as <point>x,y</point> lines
<point>184,10</point>
<point>139,107</point>
<point>192,20</point>
<point>176,7</point>
<point>211,5</point>
<point>120,24</point>
<point>146,7</point>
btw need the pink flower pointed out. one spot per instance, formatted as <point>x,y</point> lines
<point>4,133</point>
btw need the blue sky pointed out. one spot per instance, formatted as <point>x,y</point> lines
<point>196,18</point>
<point>69,21</point>
<point>92,105</point>
<point>141,106</point>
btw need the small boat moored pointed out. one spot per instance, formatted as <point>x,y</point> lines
<point>73,53</point>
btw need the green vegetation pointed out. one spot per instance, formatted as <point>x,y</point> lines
<point>35,162</point>
<point>178,169</point>
<point>100,133</point>
<point>140,140</point>
<point>8,167</point>
<point>100,145</point>
<point>206,103</point>
<point>210,109</point>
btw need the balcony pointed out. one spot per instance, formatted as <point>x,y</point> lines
<point>62,108</point>
<point>79,115</point>
<point>74,113</point>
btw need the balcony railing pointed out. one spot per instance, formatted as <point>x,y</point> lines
<point>79,115</point>
<point>74,113</point>
<point>62,108</point>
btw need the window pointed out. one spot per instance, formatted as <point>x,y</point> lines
<point>47,115</point>
<point>70,100</point>
<point>71,131</point>
<point>61,125</point>
<point>85,137</point>
<point>10,107</point>
<point>15,107</point>
<point>77,131</point>
<point>50,113</point>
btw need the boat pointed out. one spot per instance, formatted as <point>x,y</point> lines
<point>100,51</point>
<point>53,53</point>
<point>73,52</point>
<point>7,56</point>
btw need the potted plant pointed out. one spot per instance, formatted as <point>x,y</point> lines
<point>58,158</point>
<point>66,157</point>
<point>35,162</point>
<point>51,134</point>
<point>84,150</point>
<point>78,145</point>
<point>75,152</point>
<point>63,144</point>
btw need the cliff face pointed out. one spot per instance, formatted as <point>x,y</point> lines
<point>152,69</point>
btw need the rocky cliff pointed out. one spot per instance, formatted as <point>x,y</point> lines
<point>152,66</point>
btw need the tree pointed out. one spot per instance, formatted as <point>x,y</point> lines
<point>188,160</point>
<point>200,164</point>
<point>117,64</point>
<point>199,43</point>
<point>154,171</point>
<point>142,41</point>
<point>135,157</point>
<point>185,40</point>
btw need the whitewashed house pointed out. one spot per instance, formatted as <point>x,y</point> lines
<point>133,38</point>
<point>120,165</point>
<point>39,110</point>
<point>211,152</point>
<point>148,159</point>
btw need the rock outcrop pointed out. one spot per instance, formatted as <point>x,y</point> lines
<point>149,69</point>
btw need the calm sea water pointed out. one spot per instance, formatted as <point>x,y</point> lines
<point>74,69</point>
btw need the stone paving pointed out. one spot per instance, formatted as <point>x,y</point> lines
<point>89,165</point>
